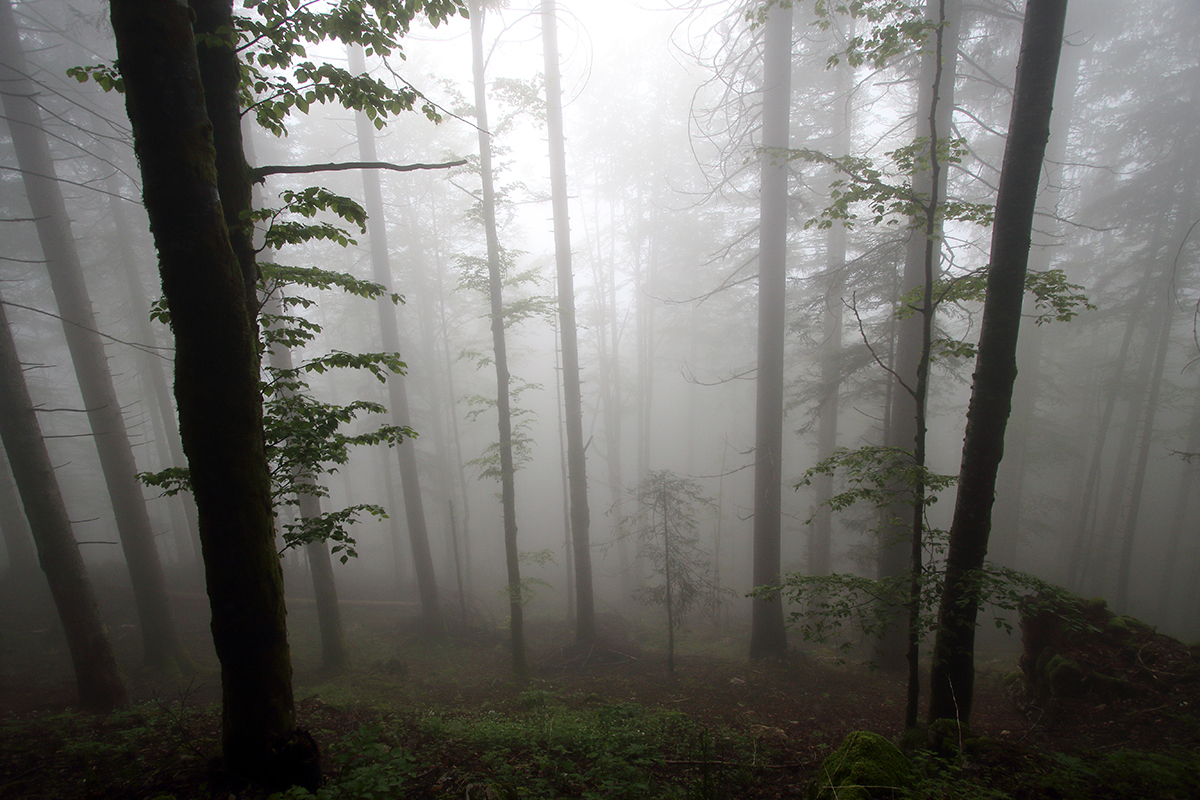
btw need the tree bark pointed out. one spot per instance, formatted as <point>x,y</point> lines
<point>96,675</point>
<point>1125,561</point>
<point>334,658</point>
<point>952,679</point>
<point>184,504</point>
<point>1011,480</point>
<point>820,557</point>
<point>18,544</point>
<point>216,390</point>
<point>768,636</point>
<point>406,453</point>
<point>922,262</point>
<point>508,499</point>
<point>159,638</point>
<point>585,610</point>
<point>220,73</point>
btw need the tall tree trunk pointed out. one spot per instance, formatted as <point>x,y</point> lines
<point>1084,533</point>
<point>922,264</point>
<point>669,587</point>
<point>1179,523</point>
<point>566,484</point>
<point>608,353</point>
<point>1125,561</point>
<point>221,73</point>
<point>410,481</point>
<point>96,675</point>
<point>1097,559</point>
<point>508,499</point>
<point>152,367</point>
<point>159,638</point>
<point>334,658</point>
<point>953,676</point>
<point>768,636</point>
<point>1014,470</point>
<point>18,544</point>
<point>585,612</point>
<point>394,528</point>
<point>216,390</point>
<point>460,475</point>
<point>820,560</point>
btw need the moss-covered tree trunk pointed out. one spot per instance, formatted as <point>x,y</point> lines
<point>953,675</point>
<point>159,639</point>
<point>216,390</point>
<point>96,674</point>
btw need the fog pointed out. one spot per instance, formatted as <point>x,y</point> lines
<point>662,110</point>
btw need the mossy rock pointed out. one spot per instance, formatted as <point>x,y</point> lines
<point>1065,678</point>
<point>865,767</point>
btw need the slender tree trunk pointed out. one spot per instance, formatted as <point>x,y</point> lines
<point>1014,470</point>
<point>1084,533</point>
<point>953,676</point>
<point>18,541</point>
<point>96,675</point>
<point>159,638</point>
<point>922,264</point>
<point>397,533</point>
<point>410,481</point>
<point>152,366</point>
<point>767,634</point>
<point>566,483</point>
<point>670,588</point>
<point>1096,562</point>
<point>1179,520</point>
<point>216,390</point>
<point>820,560</point>
<point>460,473</point>
<point>458,572</point>
<point>1124,564</point>
<point>520,664</point>
<point>334,658</point>
<point>585,614</point>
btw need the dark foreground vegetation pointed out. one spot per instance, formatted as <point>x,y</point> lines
<point>413,719</point>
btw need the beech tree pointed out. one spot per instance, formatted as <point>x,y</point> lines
<point>216,389</point>
<point>585,608</point>
<point>767,634</point>
<point>507,476</point>
<point>952,679</point>
<point>160,641</point>
<point>96,675</point>
<point>410,479</point>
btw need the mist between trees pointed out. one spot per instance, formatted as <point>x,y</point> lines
<point>737,248</point>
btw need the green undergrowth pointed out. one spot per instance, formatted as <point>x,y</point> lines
<point>131,753</point>
<point>999,771</point>
<point>542,748</point>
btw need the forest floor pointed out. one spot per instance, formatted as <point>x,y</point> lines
<point>421,719</point>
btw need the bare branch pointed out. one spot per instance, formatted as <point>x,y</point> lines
<point>862,331</point>
<point>260,173</point>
